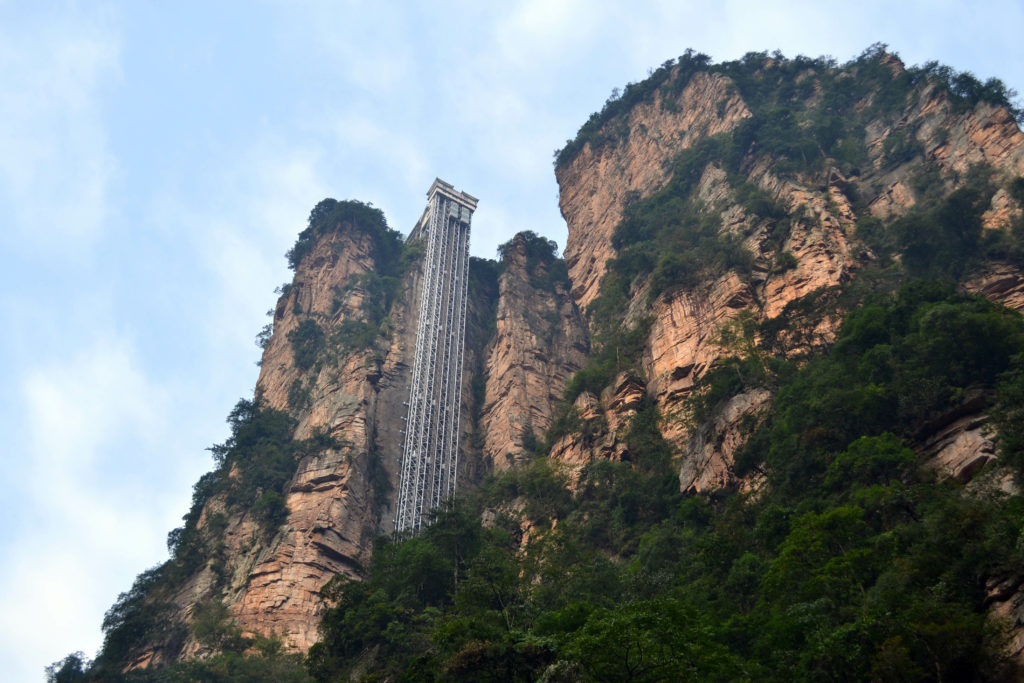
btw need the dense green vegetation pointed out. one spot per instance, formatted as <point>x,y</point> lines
<point>307,341</point>
<point>773,85</point>
<point>851,564</point>
<point>233,657</point>
<point>330,214</point>
<point>253,466</point>
<point>542,262</point>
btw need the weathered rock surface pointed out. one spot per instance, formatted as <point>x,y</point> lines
<point>341,498</point>
<point>947,140</point>
<point>683,342</point>
<point>272,583</point>
<point>333,512</point>
<point>539,342</point>
<point>595,185</point>
<point>1002,283</point>
<point>1005,605</point>
<point>707,463</point>
<point>823,209</point>
<point>960,449</point>
<point>986,134</point>
<point>603,422</point>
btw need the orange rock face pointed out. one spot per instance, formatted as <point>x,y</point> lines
<point>605,420</point>
<point>822,252</point>
<point>1002,283</point>
<point>594,186</point>
<point>333,515</point>
<point>540,341</point>
<point>708,459</point>
<point>684,337</point>
<point>339,499</point>
<point>986,134</point>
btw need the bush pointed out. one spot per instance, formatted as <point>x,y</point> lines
<point>331,214</point>
<point>307,340</point>
<point>68,670</point>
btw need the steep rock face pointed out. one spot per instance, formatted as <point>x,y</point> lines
<point>915,157</point>
<point>335,500</point>
<point>950,141</point>
<point>595,185</point>
<point>341,497</point>
<point>1005,604</point>
<point>819,241</point>
<point>339,501</point>
<point>540,341</point>
<point>323,278</point>
<point>344,381</point>
<point>603,420</point>
<point>961,449</point>
<point>333,509</point>
<point>959,443</point>
<point>683,342</point>
<point>1002,283</point>
<point>986,135</point>
<point>707,461</point>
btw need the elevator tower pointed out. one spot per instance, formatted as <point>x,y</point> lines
<point>431,447</point>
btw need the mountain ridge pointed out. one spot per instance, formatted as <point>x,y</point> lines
<point>724,221</point>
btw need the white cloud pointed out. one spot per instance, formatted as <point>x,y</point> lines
<point>75,407</point>
<point>55,167</point>
<point>536,33</point>
<point>397,152</point>
<point>97,439</point>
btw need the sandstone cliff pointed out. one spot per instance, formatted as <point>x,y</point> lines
<point>920,151</point>
<point>539,342</point>
<point>594,187</point>
<point>806,244</point>
<point>334,511</point>
<point>338,364</point>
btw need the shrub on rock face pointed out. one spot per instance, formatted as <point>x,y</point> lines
<point>307,341</point>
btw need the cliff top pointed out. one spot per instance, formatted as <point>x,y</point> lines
<point>758,74</point>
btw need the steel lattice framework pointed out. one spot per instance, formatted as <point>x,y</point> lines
<point>430,453</point>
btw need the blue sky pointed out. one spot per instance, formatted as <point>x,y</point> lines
<point>158,159</point>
